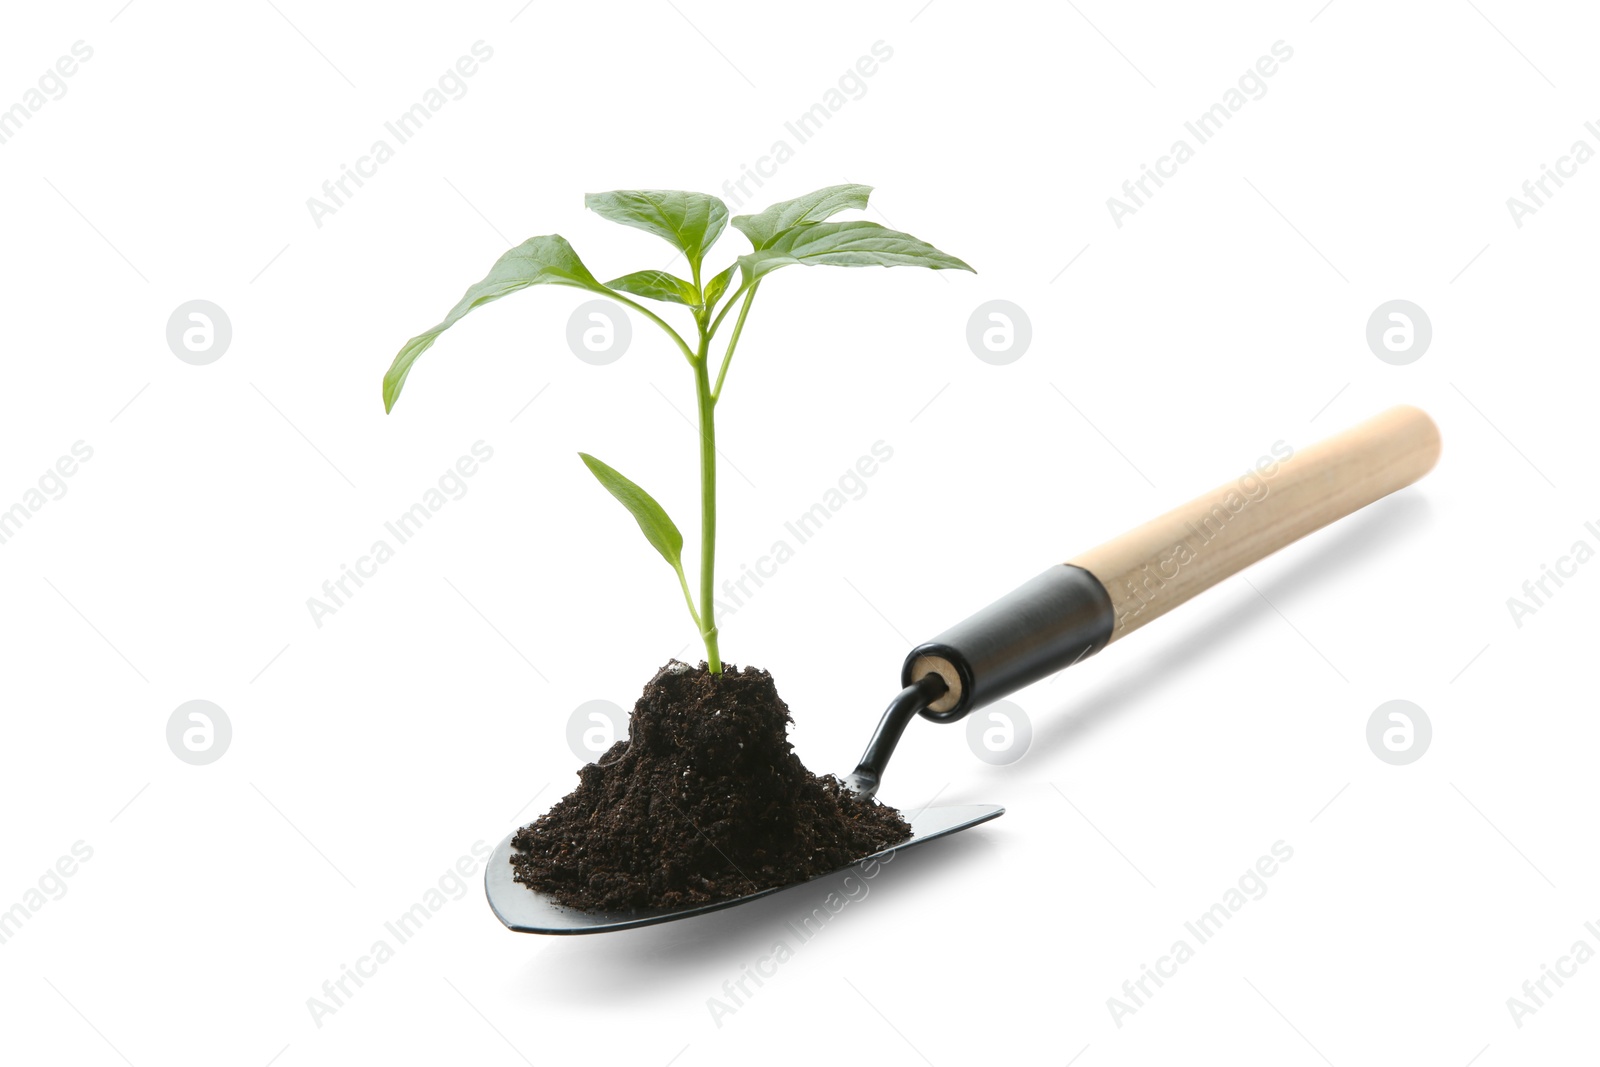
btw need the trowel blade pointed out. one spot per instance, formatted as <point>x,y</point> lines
<point>528,912</point>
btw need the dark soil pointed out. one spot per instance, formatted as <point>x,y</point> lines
<point>704,801</point>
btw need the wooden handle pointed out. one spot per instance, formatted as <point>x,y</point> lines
<point>1153,568</point>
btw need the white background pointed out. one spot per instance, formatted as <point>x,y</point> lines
<point>369,754</point>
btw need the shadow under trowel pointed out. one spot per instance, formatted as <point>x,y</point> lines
<point>1383,524</point>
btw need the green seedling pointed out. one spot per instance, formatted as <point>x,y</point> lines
<point>793,232</point>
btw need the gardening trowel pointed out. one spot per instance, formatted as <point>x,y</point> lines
<point>1072,611</point>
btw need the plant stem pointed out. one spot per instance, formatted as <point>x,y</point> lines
<point>653,317</point>
<point>708,503</point>
<point>688,597</point>
<point>733,342</point>
<point>716,323</point>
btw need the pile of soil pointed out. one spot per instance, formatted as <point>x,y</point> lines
<point>704,801</point>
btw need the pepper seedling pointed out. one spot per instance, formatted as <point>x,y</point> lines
<point>792,232</point>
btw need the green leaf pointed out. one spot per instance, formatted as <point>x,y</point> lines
<point>719,285</point>
<point>537,261</point>
<point>689,222</point>
<point>846,244</point>
<point>767,226</point>
<point>656,285</point>
<point>657,528</point>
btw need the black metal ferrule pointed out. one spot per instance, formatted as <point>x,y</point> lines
<point>1043,626</point>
